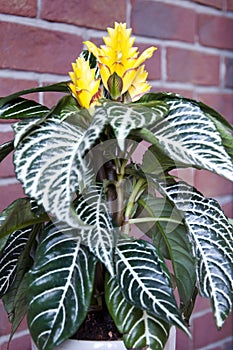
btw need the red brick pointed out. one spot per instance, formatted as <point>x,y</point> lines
<point>34,49</point>
<point>183,342</point>
<point>206,333</point>
<point>161,20</point>
<point>222,102</point>
<point>219,4</point>
<point>212,185</point>
<point>228,209</point>
<point>230,5</point>
<point>201,304</point>
<point>194,67</point>
<point>152,65</point>
<point>184,92</point>
<point>215,31</point>
<point>26,8</point>
<point>229,72</point>
<point>21,343</point>
<point>10,193</point>
<point>50,99</point>
<point>9,86</point>
<point>94,14</point>
<point>5,325</point>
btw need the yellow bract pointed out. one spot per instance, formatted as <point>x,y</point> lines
<point>120,57</point>
<point>84,86</point>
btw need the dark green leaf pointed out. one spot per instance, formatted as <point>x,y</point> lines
<point>139,328</point>
<point>9,257</point>
<point>21,108</point>
<point>170,237</point>
<point>50,164</point>
<point>145,281</point>
<point>211,237</point>
<point>5,149</point>
<point>125,118</point>
<point>59,87</point>
<point>19,215</point>
<point>60,288</point>
<point>101,237</point>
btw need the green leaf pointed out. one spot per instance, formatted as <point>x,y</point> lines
<point>20,306</point>
<point>156,161</point>
<point>139,328</point>
<point>60,288</point>
<point>19,215</point>
<point>68,109</point>
<point>188,136</point>
<point>9,257</point>
<point>50,166</point>
<point>58,87</point>
<point>170,237</point>
<point>101,237</point>
<point>15,299</point>
<point>21,108</point>
<point>125,118</point>
<point>211,237</point>
<point>5,149</point>
<point>225,135</point>
<point>145,281</point>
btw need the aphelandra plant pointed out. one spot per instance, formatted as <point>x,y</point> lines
<point>97,227</point>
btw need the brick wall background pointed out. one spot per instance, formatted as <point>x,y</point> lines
<point>39,40</point>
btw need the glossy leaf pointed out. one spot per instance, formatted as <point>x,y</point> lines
<point>211,237</point>
<point>21,108</point>
<point>9,257</point>
<point>20,214</point>
<point>5,149</point>
<point>58,87</point>
<point>100,238</point>
<point>188,136</point>
<point>145,281</point>
<point>170,237</point>
<point>139,328</point>
<point>125,118</point>
<point>60,288</point>
<point>49,163</point>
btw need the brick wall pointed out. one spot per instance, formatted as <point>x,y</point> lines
<point>40,39</point>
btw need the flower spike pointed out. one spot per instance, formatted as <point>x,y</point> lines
<point>119,61</point>
<point>84,86</point>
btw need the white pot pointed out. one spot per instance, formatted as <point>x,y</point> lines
<point>72,344</point>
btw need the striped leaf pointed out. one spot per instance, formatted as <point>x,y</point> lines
<point>100,238</point>
<point>125,118</point>
<point>21,108</point>
<point>5,149</point>
<point>60,288</point>
<point>170,237</point>
<point>189,136</point>
<point>50,165</point>
<point>24,127</point>
<point>145,281</point>
<point>139,328</point>
<point>20,214</point>
<point>212,242</point>
<point>58,87</point>
<point>9,257</point>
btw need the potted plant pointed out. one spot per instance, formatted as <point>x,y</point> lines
<point>101,235</point>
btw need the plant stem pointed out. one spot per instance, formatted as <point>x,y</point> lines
<point>137,191</point>
<point>150,219</point>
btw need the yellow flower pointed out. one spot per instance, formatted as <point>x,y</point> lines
<point>119,57</point>
<point>139,85</point>
<point>84,86</point>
